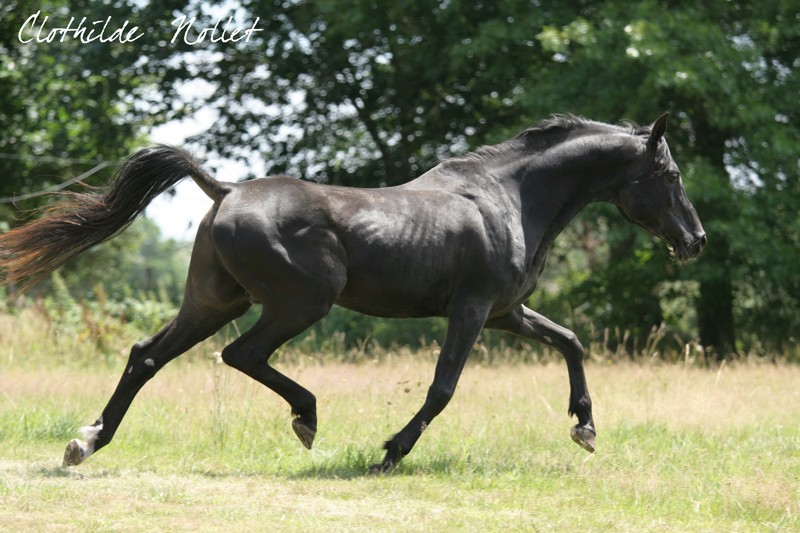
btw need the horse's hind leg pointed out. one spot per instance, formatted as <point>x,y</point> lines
<point>212,299</point>
<point>145,360</point>
<point>250,354</point>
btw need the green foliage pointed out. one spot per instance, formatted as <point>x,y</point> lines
<point>366,93</point>
<point>371,94</point>
<point>136,283</point>
<point>720,67</point>
<point>66,105</point>
<point>349,330</point>
<point>101,321</point>
<point>137,261</point>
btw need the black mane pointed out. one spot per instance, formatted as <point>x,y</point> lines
<point>547,132</point>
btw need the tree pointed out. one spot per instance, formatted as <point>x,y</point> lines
<point>726,69</point>
<point>374,93</point>
<point>65,104</point>
<point>366,93</point>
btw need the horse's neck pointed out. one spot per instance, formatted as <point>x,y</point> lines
<point>579,171</point>
<point>556,185</point>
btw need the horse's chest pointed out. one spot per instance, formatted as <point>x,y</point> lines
<point>517,276</point>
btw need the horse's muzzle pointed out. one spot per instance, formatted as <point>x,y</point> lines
<point>686,251</point>
<point>697,246</point>
<point>694,249</point>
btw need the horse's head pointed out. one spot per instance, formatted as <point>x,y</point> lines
<point>653,197</point>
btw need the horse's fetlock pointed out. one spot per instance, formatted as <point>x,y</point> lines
<point>586,403</point>
<point>307,410</point>
<point>395,449</point>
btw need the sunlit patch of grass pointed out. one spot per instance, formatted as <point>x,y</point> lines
<point>204,447</point>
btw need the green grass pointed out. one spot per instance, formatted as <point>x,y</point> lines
<point>204,448</point>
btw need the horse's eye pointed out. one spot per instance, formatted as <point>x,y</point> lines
<point>673,177</point>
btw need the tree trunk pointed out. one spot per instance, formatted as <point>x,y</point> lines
<point>715,304</point>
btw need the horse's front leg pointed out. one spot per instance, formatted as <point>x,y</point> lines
<point>464,325</point>
<point>530,324</point>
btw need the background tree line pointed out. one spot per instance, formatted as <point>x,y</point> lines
<point>373,93</point>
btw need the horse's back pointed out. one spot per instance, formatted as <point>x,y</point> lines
<point>390,251</point>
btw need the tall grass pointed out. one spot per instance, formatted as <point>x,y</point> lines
<point>58,329</point>
<point>203,447</point>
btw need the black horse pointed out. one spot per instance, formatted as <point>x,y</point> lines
<point>466,240</point>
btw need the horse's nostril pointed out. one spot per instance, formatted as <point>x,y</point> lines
<point>703,239</point>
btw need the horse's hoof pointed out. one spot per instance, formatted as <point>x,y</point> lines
<point>382,468</point>
<point>584,437</point>
<point>304,432</point>
<point>74,454</point>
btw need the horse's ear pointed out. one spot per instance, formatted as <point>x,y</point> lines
<point>657,130</point>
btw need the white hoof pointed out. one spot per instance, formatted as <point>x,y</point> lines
<point>75,453</point>
<point>77,450</point>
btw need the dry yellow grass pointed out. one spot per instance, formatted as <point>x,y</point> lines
<point>206,449</point>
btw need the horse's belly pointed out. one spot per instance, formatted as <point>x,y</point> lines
<point>392,291</point>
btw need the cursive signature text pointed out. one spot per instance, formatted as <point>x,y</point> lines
<point>82,31</point>
<point>213,33</point>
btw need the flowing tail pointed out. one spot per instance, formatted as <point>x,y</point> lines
<point>80,221</point>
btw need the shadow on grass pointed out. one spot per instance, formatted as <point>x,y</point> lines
<point>55,471</point>
<point>354,464</point>
<point>349,462</point>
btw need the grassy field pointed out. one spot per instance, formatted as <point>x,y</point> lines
<point>205,449</point>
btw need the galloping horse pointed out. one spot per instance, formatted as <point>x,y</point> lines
<point>467,240</point>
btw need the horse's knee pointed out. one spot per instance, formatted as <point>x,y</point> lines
<point>230,357</point>
<point>238,359</point>
<point>573,349</point>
